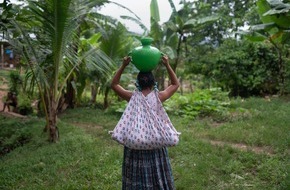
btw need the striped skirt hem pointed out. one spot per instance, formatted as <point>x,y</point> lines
<point>146,170</point>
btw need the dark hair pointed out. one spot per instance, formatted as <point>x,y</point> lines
<point>145,80</point>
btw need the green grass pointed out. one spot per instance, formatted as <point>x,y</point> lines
<point>266,124</point>
<point>87,158</point>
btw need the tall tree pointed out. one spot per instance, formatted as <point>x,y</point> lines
<point>46,32</point>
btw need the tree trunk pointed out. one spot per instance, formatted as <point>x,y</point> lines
<point>67,99</point>
<point>174,67</point>
<point>52,124</point>
<point>70,94</point>
<point>181,86</point>
<point>106,102</point>
<point>93,93</point>
<point>62,105</point>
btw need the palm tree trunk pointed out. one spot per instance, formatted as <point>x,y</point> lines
<point>174,67</point>
<point>106,102</point>
<point>93,93</point>
<point>70,94</point>
<point>53,130</point>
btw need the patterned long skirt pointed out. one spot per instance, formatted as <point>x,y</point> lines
<point>146,170</point>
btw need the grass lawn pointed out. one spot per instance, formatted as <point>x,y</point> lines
<point>249,151</point>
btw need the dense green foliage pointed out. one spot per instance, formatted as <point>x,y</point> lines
<point>24,104</point>
<point>87,158</point>
<point>15,82</point>
<point>202,38</point>
<point>202,103</point>
<point>51,45</point>
<point>241,67</point>
<point>274,28</point>
<point>16,86</point>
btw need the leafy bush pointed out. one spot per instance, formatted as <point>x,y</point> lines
<point>241,67</point>
<point>24,104</point>
<point>15,81</point>
<point>202,103</point>
<point>118,106</point>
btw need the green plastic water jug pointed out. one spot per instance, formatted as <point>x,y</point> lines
<point>145,57</point>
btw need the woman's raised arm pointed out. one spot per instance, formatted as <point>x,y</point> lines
<point>172,88</point>
<point>115,85</point>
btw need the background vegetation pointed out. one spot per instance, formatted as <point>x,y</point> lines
<point>232,59</point>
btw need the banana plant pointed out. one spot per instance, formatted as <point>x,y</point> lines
<point>175,31</point>
<point>275,17</point>
<point>170,36</point>
<point>275,28</point>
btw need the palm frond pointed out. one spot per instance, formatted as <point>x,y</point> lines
<point>137,21</point>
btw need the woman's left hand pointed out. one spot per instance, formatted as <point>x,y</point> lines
<point>126,60</point>
<point>165,60</point>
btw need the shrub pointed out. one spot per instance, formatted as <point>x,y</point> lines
<point>15,81</point>
<point>24,104</point>
<point>118,106</point>
<point>243,68</point>
<point>202,103</point>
